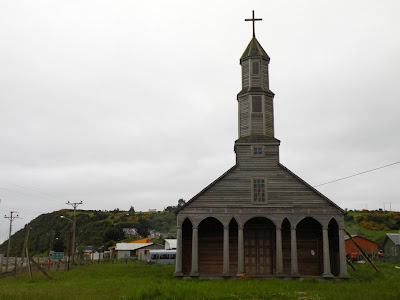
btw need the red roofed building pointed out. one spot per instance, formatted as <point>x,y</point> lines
<point>369,247</point>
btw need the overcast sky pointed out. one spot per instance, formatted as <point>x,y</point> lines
<point>119,103</point>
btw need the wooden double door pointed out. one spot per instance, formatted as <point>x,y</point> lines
<point>259,245</point>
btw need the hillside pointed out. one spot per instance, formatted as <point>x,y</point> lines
<point>94,228</point>
<point>104,228</point>
<point>372,225</point>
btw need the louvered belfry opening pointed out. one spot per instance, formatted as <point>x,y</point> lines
<point>259,246</point>
<point>309,247</point>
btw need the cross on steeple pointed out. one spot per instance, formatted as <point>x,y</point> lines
<point>253,20</point>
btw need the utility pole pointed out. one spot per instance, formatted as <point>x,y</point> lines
<point>390,206</point>
<point>11,218</point>
<point>74,205</point>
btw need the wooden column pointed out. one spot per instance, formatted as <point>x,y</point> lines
<point>279,255</point>
<point>342,255</point>
<point>226,251</point>
<point>327,262</point>
<point>195,252</point>
<point>240,250</point>
<point>178,257</point>
<point>293,253</point>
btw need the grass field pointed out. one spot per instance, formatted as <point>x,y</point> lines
<point>134,281</point>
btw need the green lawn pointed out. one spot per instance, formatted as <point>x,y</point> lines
<point>134,281</point>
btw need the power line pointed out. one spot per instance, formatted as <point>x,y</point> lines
<point>31,189</point>
<point>343,178</point>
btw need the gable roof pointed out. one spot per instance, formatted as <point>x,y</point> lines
<point>131,246</point>
<point>312,188</point>
<point>346,237</point>
<point>205,189</point>
<point>280,165</point>
<point>394,237</point>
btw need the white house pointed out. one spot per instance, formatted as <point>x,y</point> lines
<point>170,244</point>
<point>127,250</point>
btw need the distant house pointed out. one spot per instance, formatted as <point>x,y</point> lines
<point>144,252</point>
<point>114,251</point>
<point>131,250</point>
<point>391,245</point>
<point>369,247</point>
<point>130,231</point>
<point>170,244</point>
<point>155,234</point>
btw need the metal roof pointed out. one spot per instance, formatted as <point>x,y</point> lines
<point>395,238</point>
<point>155,251</point>
<point>131,246</point>
<point>346,237</point>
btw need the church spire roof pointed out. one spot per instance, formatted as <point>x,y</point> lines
<point>254,49</point>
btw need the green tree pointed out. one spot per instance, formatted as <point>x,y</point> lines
<point>144,227</point>
<point>131,211</point>
<point>113,234</point>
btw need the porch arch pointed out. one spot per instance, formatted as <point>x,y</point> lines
<point>309,247</point>
<point>259,246</point>
<point>211,234</point>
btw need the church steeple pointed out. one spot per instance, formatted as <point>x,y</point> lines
<point>256,113</point>
<point>256,116</point>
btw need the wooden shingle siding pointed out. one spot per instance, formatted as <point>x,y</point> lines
<point>255,81</point>
<point>244,106</point>
<point>269,117</point>
<point>264,74</point>
<point>283,190</point>
<point>257,124</point>
<point>246,74</point>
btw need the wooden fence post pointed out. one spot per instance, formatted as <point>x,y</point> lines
<point>362,251</point>
<point>28,228</point>
<point>15,266</point>
<point>40,268</point>
<point>29,263</point>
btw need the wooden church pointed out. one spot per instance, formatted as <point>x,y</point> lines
<point>259,218</point>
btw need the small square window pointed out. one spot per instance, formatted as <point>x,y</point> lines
<point>255,68</point>
<point>256,104</point>
<point>257,150</point>
<point>258,190</point>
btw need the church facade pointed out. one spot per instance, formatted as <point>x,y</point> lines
<point>259,218</point>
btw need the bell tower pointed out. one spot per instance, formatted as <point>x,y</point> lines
<point>255,100</point>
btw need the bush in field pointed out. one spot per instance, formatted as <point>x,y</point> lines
<point>358,218</point>
<point>373,225</point>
